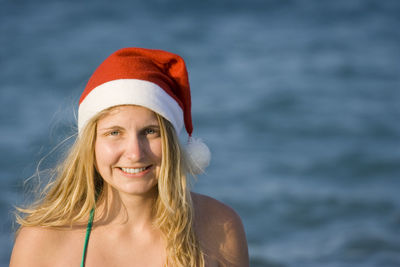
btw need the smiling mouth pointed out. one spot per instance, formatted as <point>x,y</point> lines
<point>135,170</point>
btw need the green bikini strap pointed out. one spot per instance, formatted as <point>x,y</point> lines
<point>88,230</point>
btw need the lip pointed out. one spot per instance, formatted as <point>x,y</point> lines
<point>136,175</point>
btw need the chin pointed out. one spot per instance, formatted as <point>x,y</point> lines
<point>136,190</point>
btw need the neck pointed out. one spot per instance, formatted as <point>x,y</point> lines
<point>133,211</point>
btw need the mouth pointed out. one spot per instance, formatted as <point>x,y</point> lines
<point>135,170</point>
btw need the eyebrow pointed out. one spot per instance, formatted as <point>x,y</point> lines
<point>152,125</point>
<point>114,127</point>
<point>121,128</point>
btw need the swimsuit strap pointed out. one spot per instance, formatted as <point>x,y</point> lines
<point>88,230</point>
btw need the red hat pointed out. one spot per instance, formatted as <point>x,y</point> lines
<point>155,79</point>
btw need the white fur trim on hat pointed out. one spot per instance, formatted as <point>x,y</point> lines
<point>130,92</point>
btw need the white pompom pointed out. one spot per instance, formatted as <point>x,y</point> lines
<point>199,154</point>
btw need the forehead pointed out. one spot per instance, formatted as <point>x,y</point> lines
<point>131,113</point>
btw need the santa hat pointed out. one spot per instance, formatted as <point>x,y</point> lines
<point>154,79</point>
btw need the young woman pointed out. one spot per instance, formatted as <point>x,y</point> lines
<point>121,196</point>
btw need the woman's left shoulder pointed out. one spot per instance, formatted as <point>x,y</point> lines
<point>220,231</point>
<point>214,209</point>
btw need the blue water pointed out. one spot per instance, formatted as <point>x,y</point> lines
<point>298,101</point>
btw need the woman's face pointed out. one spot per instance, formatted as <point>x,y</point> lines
<point>128,149</point>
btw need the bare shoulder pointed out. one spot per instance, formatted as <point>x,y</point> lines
<point>220,231</point>
<point>31,246</point>
<point>213,212</point>
<point>40,246</point>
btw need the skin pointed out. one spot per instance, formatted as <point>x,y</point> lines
<point>123,234</point>
<point>129,137</point>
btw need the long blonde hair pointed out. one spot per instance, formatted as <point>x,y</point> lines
<point>68,198</point>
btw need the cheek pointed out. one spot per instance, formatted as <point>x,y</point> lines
<point>105,153</point>
<point>156,149</point>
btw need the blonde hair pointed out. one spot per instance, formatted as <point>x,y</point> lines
<point>68,199</point>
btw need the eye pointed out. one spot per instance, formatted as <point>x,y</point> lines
<point>114,133</point>
<point>149,131</point>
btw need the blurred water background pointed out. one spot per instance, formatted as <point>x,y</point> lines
<point>298,101</point>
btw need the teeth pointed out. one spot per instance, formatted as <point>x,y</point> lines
<point>133,170</point>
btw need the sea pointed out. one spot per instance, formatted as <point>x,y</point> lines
<point>298,100</point>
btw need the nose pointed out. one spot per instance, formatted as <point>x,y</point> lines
<point>134,148</point>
